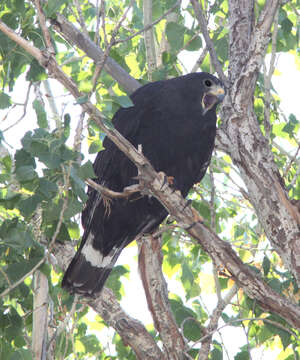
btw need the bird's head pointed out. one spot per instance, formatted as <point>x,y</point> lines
<point>213,93</point>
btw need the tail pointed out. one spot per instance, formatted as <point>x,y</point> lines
<point>89,269</point>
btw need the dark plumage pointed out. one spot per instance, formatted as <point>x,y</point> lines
<point>175,121</point>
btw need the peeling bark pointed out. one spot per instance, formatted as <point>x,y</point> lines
<point>155,286</point>
<point>241,136</point>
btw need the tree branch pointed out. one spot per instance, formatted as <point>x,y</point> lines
<point>45,31</point>
<point>77,38</point>
<point>40,316</point>
<point>149,38</point>
<point>155,286</point>
<point>244,140</point>
<point>209,44</point>
<point>213,323</point>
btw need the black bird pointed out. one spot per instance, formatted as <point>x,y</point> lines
<point>175,122</point>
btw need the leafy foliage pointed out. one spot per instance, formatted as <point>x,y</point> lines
<point>42,182</point>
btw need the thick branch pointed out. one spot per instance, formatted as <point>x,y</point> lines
<point>40,316</point>
<point>244,140</point>
<point>77,38</point>
<point>155,286</point>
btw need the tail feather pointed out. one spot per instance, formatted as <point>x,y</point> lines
<point>89,270</point>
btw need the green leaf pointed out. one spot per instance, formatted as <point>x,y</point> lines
<point>29,205</point>
<point>91,344</point>
<point>216,353</point>
<point>25,173</point>
<point>193,45</point>
<point>52,6</point>
<point>291,125</point>
<point>22,158</point>
<point>192,330</point>
<point>74,207</point>
<point>82,99</point>
<point>221,47</point>
<point>5,100</point>
<point>285,337</point>
<point>113,281</point>
<point>286,26</point>
<point>66,125</point>
<point>36,72</point>
<point>175,35</point>
<point>18,270</point>
<point>21,354</point>
<point>78,185</point>
<point>15,324</point>
<point>180,311</point>
<point>46,189</point>
<point>86,171</point>
<point>243,355</point>
<point>266,265</point>
<point>123,100</point>
<point>73,230</point>
<point>275,285</point>
<point>19,341</point>
<point>95,147</point>
<point>40,113</point>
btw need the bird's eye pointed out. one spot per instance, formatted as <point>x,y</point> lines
<point>208,83</point>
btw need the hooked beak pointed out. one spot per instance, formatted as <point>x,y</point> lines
<point>214,96</point>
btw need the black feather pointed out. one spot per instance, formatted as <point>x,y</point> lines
<point>167,120</point>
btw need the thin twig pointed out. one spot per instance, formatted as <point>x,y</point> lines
<point>42,21</point>
<point>63,325</point>
<point>24,110</point>
<point>98,21</point>
<point>100,65</point>
<point>119,41</point>
<point>149,40</point>
<point>200,60</point>
<point>81,19</point>
<point>292,160</point>
<point>213,55</point>
<point>230,322</point>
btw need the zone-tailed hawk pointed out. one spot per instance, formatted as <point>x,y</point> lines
<point>175,122</point>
